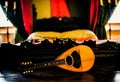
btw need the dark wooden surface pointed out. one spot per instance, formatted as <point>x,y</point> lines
<point>105,69</point>
<point>102,71</point>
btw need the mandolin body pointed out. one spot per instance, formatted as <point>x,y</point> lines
<point>86,59</point>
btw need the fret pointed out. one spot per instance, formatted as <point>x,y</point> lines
<point>75,59</point>
<point>48,64</point>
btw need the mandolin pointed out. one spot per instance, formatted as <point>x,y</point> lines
<point>79,58</point>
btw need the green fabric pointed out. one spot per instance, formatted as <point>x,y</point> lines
<point>102,20</point>
<point>104,15</point>
<point>18,37</point>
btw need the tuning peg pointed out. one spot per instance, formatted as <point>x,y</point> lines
<point>26,63</point>
<point>27,71</point>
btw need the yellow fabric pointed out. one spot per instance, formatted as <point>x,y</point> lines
<point>74,34</point>
<point>79,34</point>
<point>42,8</point>
<point>46,34</point>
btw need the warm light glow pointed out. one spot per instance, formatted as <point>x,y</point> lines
<point>60,18</point>
<point>6,3</point>
<point>14,5</point>
<point>101,2</point>
<point>109,1</point>
<point>4,22</point>
<point>116,2</point>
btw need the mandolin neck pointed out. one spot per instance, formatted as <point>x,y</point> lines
<point>48,64</point>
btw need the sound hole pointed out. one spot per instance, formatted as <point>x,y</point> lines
<point>76,58</point>
<point>69,60</point>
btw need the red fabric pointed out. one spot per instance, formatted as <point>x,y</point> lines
<point>59,8</point>
<point>27,15</point>
<point>94,5</point>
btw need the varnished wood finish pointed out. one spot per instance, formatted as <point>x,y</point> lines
<point>81,61</point>
<point>86,55</point>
